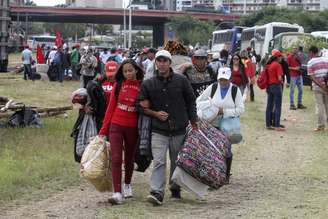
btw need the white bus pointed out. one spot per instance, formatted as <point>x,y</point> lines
<point>228,39</point>
<point>321,34</point>
<point>33,41</point>
<point>259,37</point>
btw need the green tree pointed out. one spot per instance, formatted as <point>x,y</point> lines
<point>67,30</point>
<point>190,30</point>
<point>103,29</point>
<point>311,21</point>
<point>30,3</point>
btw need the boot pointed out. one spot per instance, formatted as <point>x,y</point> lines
<point>229,161</point>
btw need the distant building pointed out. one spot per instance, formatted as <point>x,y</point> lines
<point>95,3</point>
<point>238,6</point>
<point>16,2</point>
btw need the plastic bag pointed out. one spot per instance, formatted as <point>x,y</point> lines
<point>95,164</point>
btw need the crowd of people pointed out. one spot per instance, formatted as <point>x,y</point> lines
<point>167,85</point>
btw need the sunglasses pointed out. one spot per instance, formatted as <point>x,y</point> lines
<point>235,58</point>
<point>200,57</point>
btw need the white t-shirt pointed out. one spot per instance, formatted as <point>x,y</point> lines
<point>26,56</point>
<point>52,55</point>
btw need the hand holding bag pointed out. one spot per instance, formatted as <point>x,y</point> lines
<point>231,126</point>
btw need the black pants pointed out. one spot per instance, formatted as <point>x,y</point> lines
<point>251,89</point>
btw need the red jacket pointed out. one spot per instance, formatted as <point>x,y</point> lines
<point>122,110</point>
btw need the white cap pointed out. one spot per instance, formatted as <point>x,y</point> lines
<point>163,53</point>
<point>224,73</point>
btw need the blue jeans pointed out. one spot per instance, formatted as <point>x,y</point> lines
<point>296,81</point>
<point>274,101</point>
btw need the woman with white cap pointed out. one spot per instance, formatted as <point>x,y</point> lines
<point>228,99</point>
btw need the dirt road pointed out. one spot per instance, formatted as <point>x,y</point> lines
<point>275,175</point>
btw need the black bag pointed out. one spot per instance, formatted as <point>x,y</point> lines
<point>25,117</point>
<point>52,72</point>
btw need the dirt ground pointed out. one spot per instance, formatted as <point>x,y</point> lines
<point>275,175</point>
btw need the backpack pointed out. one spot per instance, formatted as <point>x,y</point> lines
<point>262,81</point>
<point>233,91</point>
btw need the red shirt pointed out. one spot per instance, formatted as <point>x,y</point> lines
<point>274,71</point>
<point>293,62</point>
<point>122,110</point>
<point>107,86</point>
<point>236,78</point>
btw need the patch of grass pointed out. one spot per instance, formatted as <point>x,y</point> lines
<point>33,159</point>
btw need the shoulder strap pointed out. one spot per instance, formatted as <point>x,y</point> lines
<point>234,92</point>
<point>214,88</point>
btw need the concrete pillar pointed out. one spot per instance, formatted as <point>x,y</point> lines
<point>4,34</point>
<point>158,35</point>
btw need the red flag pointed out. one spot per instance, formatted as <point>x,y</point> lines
<point>39,55</point>
<point>59,40</point>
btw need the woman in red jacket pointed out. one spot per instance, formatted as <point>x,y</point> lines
<point>120,125</point>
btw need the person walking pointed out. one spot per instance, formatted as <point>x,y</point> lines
<point>108,80</point>
<point>296,79</point>
<point>238,73</point>
<point>171,107</point>
<point>27,62</point>
<point>199,73</point>
<point>318,71</point>
<point>120,125</point>
<point>274,91</point>
<point>229,102</point>
<point>89,63</point>
<point>75,59</point>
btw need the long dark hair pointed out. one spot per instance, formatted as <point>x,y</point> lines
<point>241,68</point>
<point>119,77</point>
<point>271,59</point>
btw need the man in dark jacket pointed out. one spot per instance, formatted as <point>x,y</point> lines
<point>171,106</point>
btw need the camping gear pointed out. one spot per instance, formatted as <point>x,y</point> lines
<point>203,155</point>
<point>25,117</point>
<point>95,164</point>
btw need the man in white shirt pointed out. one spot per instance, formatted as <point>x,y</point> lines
<point>104,55</point>
<point>27,61</point>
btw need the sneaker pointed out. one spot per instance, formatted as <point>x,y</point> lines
<point>319,129</point>
<point>269,128</point>
<point>155,198</point>
<point>116,199</point>
<point>127,191</point>
<point>175,194</point>
<point>292,107</point>
<point>301,106</point>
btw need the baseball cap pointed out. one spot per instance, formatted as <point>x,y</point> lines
<point>200,53</point>
<point>111,68</point>
<point>276,53</point>
<point>224,73</point>
<point>163,53</point>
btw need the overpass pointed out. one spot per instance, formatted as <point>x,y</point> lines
<point>154,18</point>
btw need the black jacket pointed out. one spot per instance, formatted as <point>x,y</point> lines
<point>173,95</point>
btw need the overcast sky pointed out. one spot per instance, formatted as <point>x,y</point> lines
<point>48,2</point>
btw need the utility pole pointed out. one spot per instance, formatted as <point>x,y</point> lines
<point>124,26</point>
<point>130,24</point>
<point>4,34</point>
<point>245,6</point>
